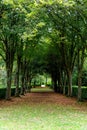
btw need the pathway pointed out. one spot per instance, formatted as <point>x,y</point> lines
<point>36,98</point>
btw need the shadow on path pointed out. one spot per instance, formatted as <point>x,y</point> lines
<point>46,98</point>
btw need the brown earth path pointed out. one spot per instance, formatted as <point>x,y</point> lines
<point>45,98</point>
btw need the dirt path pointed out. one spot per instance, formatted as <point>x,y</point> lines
<point>44,98</point>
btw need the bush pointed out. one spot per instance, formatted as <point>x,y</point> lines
<point>84,78</point>
<point>75,92</point>
<point>75,78</point>
<point>3,92</point>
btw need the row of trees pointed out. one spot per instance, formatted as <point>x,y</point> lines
<point>69,38</point>
<point>42,35</point>
<point>15,41</point>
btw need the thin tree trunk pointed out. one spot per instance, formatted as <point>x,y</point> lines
<point>17,78</point>
<point>22,86</point>
<point>8,89</point>
<point>17,85</point>
<point>29,85</point>
<point>27,81</point>
<point>22,78</point>
<point>55,85</point>
<point>9,67</point>
<point>61,82</point>
<point>69,83</point>
<point>9,79</point>
<point>64,85</point>
<point>81,57</point>
<point>79,87</point>
<point>46,81</point>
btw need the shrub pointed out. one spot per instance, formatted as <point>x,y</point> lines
<point>3,92</point>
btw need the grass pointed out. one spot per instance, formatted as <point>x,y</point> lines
<point>43,89</point>
<point>42,117</point>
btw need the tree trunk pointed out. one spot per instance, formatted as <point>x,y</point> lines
<point>29,85</point>
<point>9,78</point>
<point>60,82</point>
<point>81,56</point>
<point>17,79</point>
<point>69,83</point>
<point>22,86</point>
<point>55,85</point>
<point>26,82</point>
<point>9,67</point>
<point>64,84</point>
<point>46,81</point>
<point>23,78</point>
<point>79,86</point>
<point>17,85</point>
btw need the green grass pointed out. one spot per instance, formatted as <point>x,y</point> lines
<point>39,89</point>
<point>42,117</point>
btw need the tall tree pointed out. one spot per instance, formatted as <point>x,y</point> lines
<point>9,33</point>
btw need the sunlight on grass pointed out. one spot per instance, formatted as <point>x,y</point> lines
<point>39,89</point>
<point>42,117</point>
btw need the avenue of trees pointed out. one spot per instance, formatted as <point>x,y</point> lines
<point>47,36</point>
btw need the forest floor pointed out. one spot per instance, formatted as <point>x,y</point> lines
<point>41,110</point>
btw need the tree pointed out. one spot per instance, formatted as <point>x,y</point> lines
<point>10,24</point>
<point>81,23</point>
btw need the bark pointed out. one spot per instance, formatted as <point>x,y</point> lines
<point>17,78</point>
<point>17,85</point>
<point>8,89</point>
<point>79,87</point>
<point>9,67</point>
<point>27,81</point>
<point>60,82</point>
<point>29,85</point>
<point>81,57</point>
<point>64,84</point>
<point>23,69</point>
<point>22,85</point>
<point>55,85</point>
<point>46,81</point>
<point>69,83</point>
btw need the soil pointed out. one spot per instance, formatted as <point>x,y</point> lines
<point>45,98</point>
